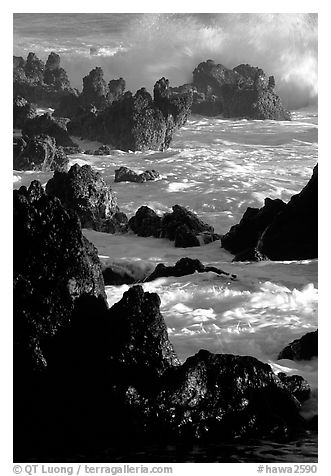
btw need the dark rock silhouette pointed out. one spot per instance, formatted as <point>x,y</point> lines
<point>186,229</point>
<point>304,348</point>
<point>146,222</point>
<point>293,234</point>
<point>94,89</point>
<point>243,91</point>
<point>84,191</point>
<point>46,124</point>
<point>40,153</point>
<point>22,110</point>
<point>184,267</point>
<point>181,226</point>
<point>53,265</point>
<point>116,88</point>
<point>278,231</point>
<point>42,84</point>
<point>297,386</point>
<point>124,174</point>
<point>254,221</point>
<point>219,397</point>
<point>103,150</point>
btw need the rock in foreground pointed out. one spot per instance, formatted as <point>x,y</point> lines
<point>84,191</point>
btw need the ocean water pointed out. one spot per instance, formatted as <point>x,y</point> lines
<point>217,168</point>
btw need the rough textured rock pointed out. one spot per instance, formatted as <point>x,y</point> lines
<point>219,397</point>
<point>124,174</point>
<point>84,191</point>
<point>40,153</point>
<point>243,91</point>
<point>41,84</point>
<point>22,110</point>
<point>53,265</point>
<point>140,348</point>
<point>246,233</point>
<point>46,124</point>
<point>103,150</point>
<point>116,88</point>
<point>293,234</point>
<point>181,226</point>
<point>94,89</point>
<point>184,267</point>
<point>304,348</point>
<point>146,222</point>
<point>297,386</point>
<point>137,122</point>
<point>186,229</point>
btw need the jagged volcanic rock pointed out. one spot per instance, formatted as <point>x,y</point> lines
<point>22,110</point>
<point>84,191</point>
<point>218,397</point>
<point>246,233</point>
<point>46,124</point>
<point>297,386</point>
<point>304,348</point>
<point>40,153</point>
<point>53,265</point>
<point>124,174</point>
<point>145,222</point>
<point>293,234</point>
<point>41,84</point>
<point>184,267</point>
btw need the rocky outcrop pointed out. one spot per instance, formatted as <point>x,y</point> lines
<point>219,397</point>
<point>146,222</point>
<point>46,124</point>
<point>304,348</point>
<point>278,231</point>
<point>116,88</point>
<point>137,122</point>
<point>53,266</point>
<point>84,191</point>
<point>140,350</point>
<point>246,233</point>
<point>124,174</point>
<point>296,385</point>
<point>184,267</point>
<point>22,110</point>
<point>181,226</point>
<point>39,153</point>
<point>42,84</point>
<point>103,150</point>
<point>293,234</point>
<point>243,91</point>
<point>186,229</point>
<point>94,89</point>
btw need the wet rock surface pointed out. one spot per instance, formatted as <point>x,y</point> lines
<point>124,174</point>
<point>83,190</point>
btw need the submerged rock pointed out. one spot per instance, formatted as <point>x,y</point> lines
<point>84,191</point>
<point>40,153</point>
<point>184,267</point>
<point>124,174</point>
<point>304,348</point>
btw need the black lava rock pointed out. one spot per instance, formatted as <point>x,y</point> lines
<point>84,191</point>
<point>124,174</point>
<point>304,348</point>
